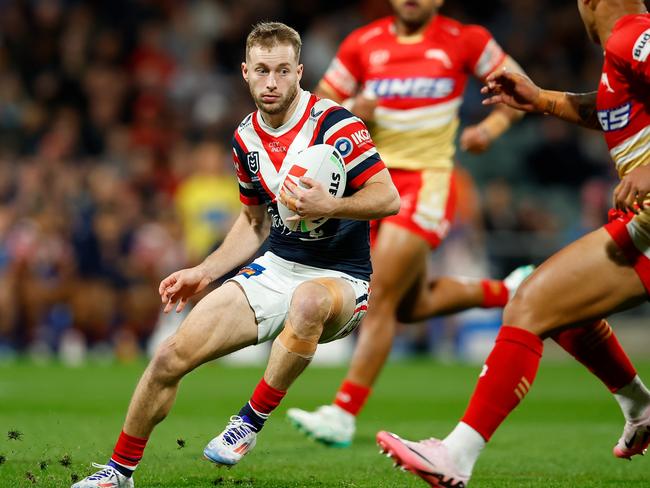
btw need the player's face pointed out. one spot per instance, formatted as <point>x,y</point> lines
<point>273,76</point>
<point>589,20</point>
<point>415,13</point>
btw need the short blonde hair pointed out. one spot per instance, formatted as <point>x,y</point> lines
<point>270,34</point>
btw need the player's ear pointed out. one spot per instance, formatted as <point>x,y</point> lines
<point>244,71</point>
<point>299,71</point>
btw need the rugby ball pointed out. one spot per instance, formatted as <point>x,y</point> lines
<point>322,163</point>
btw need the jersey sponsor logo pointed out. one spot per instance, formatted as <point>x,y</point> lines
<point>253,161</point>
<point>379,57</point>
<point>344,146</point>
<point>641,48</point>
<point>604,80</point>
<point>440,55</point>
<point>420,87</point>
<point>252,269</point>
<point>361,136</point>
<point>277,147</point>
<point>615,118</point>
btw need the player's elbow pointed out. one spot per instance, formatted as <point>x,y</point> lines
<point>393,204</point>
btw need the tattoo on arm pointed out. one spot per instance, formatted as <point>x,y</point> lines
<point>584,105</point>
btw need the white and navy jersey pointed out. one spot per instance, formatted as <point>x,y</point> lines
<point>259,153</point>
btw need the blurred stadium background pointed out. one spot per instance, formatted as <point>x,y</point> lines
<point>115,124</point>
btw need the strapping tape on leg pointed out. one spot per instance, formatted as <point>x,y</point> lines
<point>336,296</point>
<point>305,348</point>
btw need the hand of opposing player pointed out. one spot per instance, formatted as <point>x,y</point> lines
<point>181,285</point>
<point>512,89</point>
<point>475,139</point>
<point>311,202</point>
<point>631,192</point>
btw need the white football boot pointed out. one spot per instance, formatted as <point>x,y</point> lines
<point>635,438</point>
<point>237,440</point>
<point>108,477</point>
<point>516,277</point>
<point>329,424</point>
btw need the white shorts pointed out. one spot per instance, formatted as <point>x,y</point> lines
<point>269,283</point>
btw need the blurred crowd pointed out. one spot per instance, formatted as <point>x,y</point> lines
<point>115,125</point>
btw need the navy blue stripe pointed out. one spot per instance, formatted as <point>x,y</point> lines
<point>361,167</point>
<point>362,298</point>
<point>248,192</point>
<point>241,155</point>
<point>331,119</point>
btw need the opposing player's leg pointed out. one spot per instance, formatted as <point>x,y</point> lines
<point>222,322</point>
<point>595,345</point>
<point>566,290</point>
<point>319,309</point>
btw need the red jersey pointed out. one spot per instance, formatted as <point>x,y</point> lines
<point>418,82</point>
<point>623,101</point>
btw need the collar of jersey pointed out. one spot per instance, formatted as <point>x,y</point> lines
<point>289,124</point>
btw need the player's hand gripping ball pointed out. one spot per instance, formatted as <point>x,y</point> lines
<point>323,164</point>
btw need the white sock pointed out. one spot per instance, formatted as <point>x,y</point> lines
<point>633,399</point>
<point>465,446</point>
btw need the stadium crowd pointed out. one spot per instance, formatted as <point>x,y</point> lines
<point>115,124</point>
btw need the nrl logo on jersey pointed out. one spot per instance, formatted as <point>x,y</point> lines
<point>253,161</point>
<point>641,48</point>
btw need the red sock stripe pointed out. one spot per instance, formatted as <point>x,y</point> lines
<point>597,347</point>
<point>506,378</point>
<point>495,294</point>
<point>266,398</point>
<point>128,450</point>
<point>351,397</point>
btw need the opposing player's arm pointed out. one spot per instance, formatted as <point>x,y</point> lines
<point>245,237</point>
<point>483,55</point>
<point>518,91</point>
<point>502,116</point>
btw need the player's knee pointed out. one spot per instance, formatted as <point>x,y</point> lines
<point>310,308</point>
<point>527,311</point>
<point>169,364</point>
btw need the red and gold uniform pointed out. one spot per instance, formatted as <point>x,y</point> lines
<point>418,83</point>
<point>623,105</point>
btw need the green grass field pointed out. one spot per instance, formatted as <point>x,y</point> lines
<point>560,437</point>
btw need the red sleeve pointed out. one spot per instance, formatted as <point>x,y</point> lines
<point>344,73</point>
<point>350,136</point>
<point>629,50</point>
<point>482,53</point>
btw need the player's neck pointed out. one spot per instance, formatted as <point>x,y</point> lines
<point>403,29</point>
<point>277,120</point>
<point>611,12</point>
